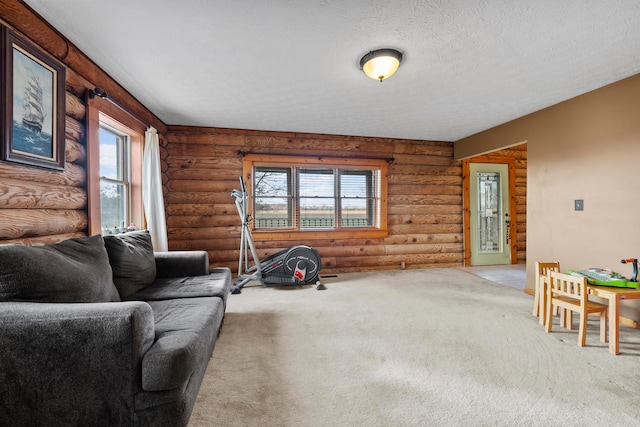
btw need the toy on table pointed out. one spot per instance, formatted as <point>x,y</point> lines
<point>634,278</point>
<point>606,277</point>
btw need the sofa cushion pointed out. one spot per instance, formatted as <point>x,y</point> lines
<point>75,270</point>
<point>132,261</point>
<point>186,331</point>
<point>214,284</point>
<point>181,263</point>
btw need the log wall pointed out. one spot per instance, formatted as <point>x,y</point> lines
<point>424,203</point>
<point>41,206</point>
<point>44,206</point>
<point>519,153</point>
<point>424,197</point>
<point>200,167</point>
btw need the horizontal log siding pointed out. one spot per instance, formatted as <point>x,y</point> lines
<point>424,197</point>
<point>41,206</point>
<point>200,167</point>
<point>520,154</point>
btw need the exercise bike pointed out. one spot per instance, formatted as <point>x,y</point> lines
<point>297,265</point>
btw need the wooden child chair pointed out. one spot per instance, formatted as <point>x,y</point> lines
<point>540,287</point>
<point>570,292</point>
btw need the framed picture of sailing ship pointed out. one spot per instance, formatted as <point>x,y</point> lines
<point>33,99</point>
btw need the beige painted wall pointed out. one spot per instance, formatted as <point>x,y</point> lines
<point>585,148</point>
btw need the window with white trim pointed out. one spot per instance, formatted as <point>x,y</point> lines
<point>317,197</point>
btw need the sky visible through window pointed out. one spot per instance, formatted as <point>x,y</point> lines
<point>113,194</point>
<point>317,200</point>
<point>109,154</point>
<point>312,185</point>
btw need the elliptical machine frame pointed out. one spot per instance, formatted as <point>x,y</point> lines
<point>297,265</point>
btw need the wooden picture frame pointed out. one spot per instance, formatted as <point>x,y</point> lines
<point>32,124</point>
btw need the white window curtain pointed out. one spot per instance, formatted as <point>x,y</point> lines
<point>152,192</point>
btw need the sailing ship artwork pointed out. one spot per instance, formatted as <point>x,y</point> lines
<point>32,100</point>
<point>33,107</point>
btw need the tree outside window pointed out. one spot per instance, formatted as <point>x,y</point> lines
<point>114,180</point>
<point>294,195</point>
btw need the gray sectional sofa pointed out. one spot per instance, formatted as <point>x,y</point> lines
<point>104,332</point>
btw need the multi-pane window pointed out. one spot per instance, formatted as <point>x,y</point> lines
<point>114,167</point>
<point>323,197</point>
<point>115,179</point>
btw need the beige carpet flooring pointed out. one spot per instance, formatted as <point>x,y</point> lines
<point>438,347</point>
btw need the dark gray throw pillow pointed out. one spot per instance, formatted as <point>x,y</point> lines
<point>75,270</point>
<point>132,261</point>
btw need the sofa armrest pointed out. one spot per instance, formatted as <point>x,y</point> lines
<point>181,263</point>
<point>72,364</point>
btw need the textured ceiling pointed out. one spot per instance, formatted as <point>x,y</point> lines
<point>292,65</point>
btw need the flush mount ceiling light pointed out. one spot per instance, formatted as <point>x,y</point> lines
<point>381,64</point>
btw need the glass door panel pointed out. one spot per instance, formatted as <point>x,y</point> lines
<point>489,230</point>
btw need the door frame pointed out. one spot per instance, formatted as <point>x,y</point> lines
<point>466,203</point>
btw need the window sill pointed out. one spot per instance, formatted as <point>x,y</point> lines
<point>318,234</point>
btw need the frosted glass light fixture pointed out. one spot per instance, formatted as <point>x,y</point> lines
<point>381,64</point>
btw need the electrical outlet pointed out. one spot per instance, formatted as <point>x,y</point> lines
<point>578,204</point>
